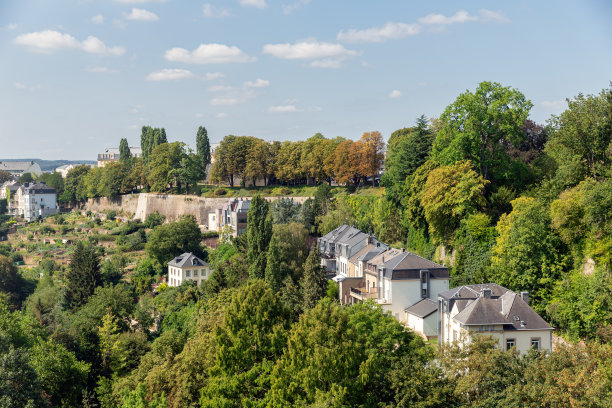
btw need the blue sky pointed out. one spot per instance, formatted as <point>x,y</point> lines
<point>77,76</point>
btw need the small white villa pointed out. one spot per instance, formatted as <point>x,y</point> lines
<point>187,267</point>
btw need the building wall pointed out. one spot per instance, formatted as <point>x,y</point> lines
<point>428,326</point>
<point>176,275</point>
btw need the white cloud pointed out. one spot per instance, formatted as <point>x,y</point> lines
<point>308,50</point>
<point>141,15</point>
<point>10,26</point>
<point>210,11</point>
<point>258,83</point>
<point>326,63</point>
<point>493,16</point>
<point>395,94</point>
<point>289,8</point>
<point>388,31</point>
<point>211,76</point>
<point>169,74</point>
<point>102,70</point>
<point>282,109</point>
<point>225,100</point>
<point>34,88</point>
<point>221,115</point>
<point>98,19</point>
<point>253,3</point>
<point>49,40</point>
<point>208,54</point>
<point>461,16</point>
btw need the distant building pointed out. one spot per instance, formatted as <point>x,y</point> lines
<point>33,200</point>
<point>18,168</point>
<point>187,267</point>
<point>8,191</point>
<point>112,155</point>
<point>490,309</point>
<point>233,214</point>
<point>63,170</point>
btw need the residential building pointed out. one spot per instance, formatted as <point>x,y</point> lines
<point>187,267</point>
<point>18,168</point>
<point>34,200</point>
<point>63,170</point>
<point>112,155</point>
<point>339,245</point>
<point>235,215</point>
<point>8,191</point>
<point>490,309</point>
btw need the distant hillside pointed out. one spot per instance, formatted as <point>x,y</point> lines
<point>48,165</point>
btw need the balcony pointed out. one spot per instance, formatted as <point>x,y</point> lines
<point>363,293</point>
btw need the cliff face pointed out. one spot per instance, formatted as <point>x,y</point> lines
<point>171,206</point>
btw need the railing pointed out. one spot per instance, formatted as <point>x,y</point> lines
<point>364,293</point>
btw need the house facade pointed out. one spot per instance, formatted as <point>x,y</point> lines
<point>187,267</point>
<point>18,168</point>
<point>490,309</point>
<point>112,155</point>
<point>33,200</point>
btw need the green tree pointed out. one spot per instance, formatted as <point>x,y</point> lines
<point>73,183</point>
<point>26,178</point>
<point>83,275</point>
<point>9,279</point>
<point>172,239</point>
<point>19,386</point>
<point>203,147</point>
<point>451,193</point>
<point>5,176</point>
<point>476,126</point>
<point>124,151</point>
<point>273,276</point>
<point>313,283</point>
<point>474,240</point>
<point>259,233</point>
<point>166,165</point>
<point>54,180</point>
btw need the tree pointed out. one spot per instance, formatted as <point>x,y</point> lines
<point>73,183</point>
<point>124,151</point>
<point>479,125</point>
<point>582,135</point>
<point>19,387</point>
<point>166,166</point>
<point>451,193</point>
<point>258,164</point>
<point>9,279</point>
<point>273,276</point>
<point>285,211</point>
<point>83,275</point>
<point>172,239</point>
<point>528,255</point>
<point>26,178</point>
<point>474,240</point>
<point>314,281</point>
<point>54,180</point>
<point>259,233</point>
<point>373,146</point>
<point>149,139</point>
<point>5,176</point>
<point>203,148</point>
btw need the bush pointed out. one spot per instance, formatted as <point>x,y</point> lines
<point>285,191</point>
<point>210,234</point>
<point>220,192</point>
<point>153,220</point>
<point>204,190</point>
<point>111,215</point>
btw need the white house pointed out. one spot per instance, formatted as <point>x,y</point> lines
<point>18,168</point>
<point>187,267</point>
<point>112,155</point>
<point>35,200</point>
<point>490,309</point>
<point>63,170</point>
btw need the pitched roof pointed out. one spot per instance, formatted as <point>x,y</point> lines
<point>363,251</point>
<point>36,188</point>
<point>481,311</point>
<point>185,260</point>
<point>385,256</point>
<point>522,316</point>
<point>423,308</point>
<point>372,253</point>
<point>473,291</point>
<point>16,165</point>
<point>341,234</point>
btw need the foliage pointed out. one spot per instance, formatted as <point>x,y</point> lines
<point>259,233</point>
<point>172,239</point>
<point>474,240</point>
<point>124,151</point>
<point>313,283</point>
<point>83,275</point>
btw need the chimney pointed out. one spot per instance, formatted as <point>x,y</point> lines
<point>403,250</point>
<point>369,239</point>
<point>525,297</point>
<point>486,293</point>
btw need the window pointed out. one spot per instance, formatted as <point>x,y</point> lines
<point>510,343</point>
<point>454,335</point>
<point>535,343</point>
<point>187,274</point>
<point>195,273</point>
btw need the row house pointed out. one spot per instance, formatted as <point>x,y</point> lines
<point>31,200</point>
<point>234,214</point>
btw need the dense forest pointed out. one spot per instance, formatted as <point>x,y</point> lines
<point>484,189</point>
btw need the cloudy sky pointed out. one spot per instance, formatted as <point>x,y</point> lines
<point>78,75</point>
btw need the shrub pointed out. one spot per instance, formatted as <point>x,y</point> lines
<point>220,192</point>
<point>204,190</point>
<point>111,215</point>
<point>285,191</point>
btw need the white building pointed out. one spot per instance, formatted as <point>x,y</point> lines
<point>18,168</point>
<point>187,267</point>
<point>63,170</point>
<point>35,200</point>
<point>490,309</point>
<point>112,155</point>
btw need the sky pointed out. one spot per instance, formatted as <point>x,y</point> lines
<point>76,76</point>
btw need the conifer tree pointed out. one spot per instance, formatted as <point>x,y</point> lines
<point>314,282</point>
<point>124,150</point>
<point>83,275</point>
<point>203,147</point>
<point>259,233</point>
<point>273,267</point>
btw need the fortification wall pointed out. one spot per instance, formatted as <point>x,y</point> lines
<point>172,207</point>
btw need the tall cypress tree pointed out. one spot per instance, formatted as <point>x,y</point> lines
<point>203,147</point>
<point>124,151</point>
<point>83,275</point>
<point>259,233</point>
<point>273,267</point>
<point>314,282</point>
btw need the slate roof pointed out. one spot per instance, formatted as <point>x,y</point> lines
<point>408,266</point>
<point>372,253</point>
<point>364,250</point>
<point>185,260</point>
<point>340,234</point>
<point>37,188</point>
<point>423,308</point>
<point>16,165</point>
<point>386,256</point>
<point>504,307</point>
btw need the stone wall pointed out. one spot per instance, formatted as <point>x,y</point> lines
<point>172,207</point>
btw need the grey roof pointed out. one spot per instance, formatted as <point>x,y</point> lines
<point>185,260</point>
<point>341,234</point>
<point>504,307</point>
<point>372,253</point>
<point>408,266</point>
<point>473,291</point>
<point>353,239</point>
<point>37,188</point>
<point>243,205</point>
<point>16,165</point>
<point>361,253</point>
<point>423,308</point>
